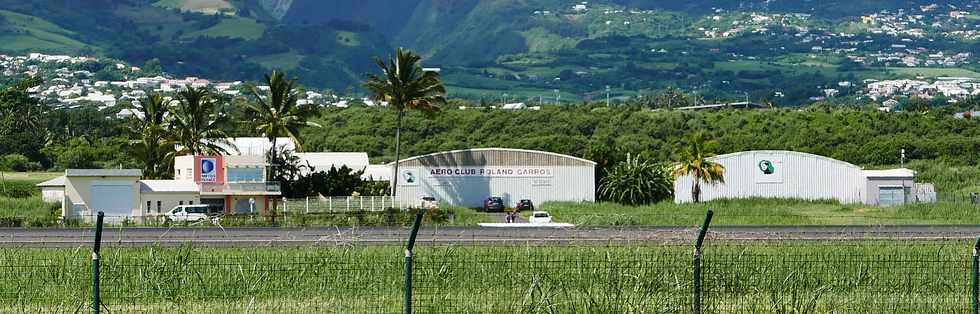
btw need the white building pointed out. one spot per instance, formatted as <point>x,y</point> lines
<point>795,175</point>
<point>468,177</point>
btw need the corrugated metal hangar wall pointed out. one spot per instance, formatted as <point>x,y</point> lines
<point>780,174</point>
<point>468,177</point>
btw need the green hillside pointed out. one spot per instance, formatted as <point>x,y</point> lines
<point>22,33</point>
<point>487,48</point>
<point>233,27</point>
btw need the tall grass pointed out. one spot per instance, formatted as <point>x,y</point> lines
<point>761,212</point>
<point>27,212</point>
<point>757,277</point>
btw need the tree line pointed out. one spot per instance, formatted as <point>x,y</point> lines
<point>625,135</point>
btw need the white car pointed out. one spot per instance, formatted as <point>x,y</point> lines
<point>540,217</point>
<point>188,213</point>
<point>429,202</point>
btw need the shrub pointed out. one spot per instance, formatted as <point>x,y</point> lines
<point>18,162</point>
<point>637,181</point>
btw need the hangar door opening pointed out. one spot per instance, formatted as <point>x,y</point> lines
<point>115,199</point>
<point>891,195</point>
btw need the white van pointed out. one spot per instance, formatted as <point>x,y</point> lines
<point>188,213</point>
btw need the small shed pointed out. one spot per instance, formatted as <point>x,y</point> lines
<point>890,187</point>
<point>53,191</point>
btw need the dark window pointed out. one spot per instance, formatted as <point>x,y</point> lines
<point>190,202</point>
<point>159,205</point>
<point>148,206</point>
<point>180,203</point>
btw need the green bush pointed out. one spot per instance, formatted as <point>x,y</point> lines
<point>18,162</point>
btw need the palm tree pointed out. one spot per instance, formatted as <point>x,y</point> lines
<point>405,86</point>
<point>694,161</point>
<point>277,114</point>
<point>150,142</point>
<point>196,123</point>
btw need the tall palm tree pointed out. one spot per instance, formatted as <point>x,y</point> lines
<point>277,114</point>
<point>405,86</point>
<point>694,161</point>
<point>196,124</point>
<point>150,142</point>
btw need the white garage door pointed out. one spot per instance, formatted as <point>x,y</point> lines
<point>115,199</point>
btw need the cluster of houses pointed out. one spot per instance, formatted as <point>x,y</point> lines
<point>65,83</point>
<point>947,87</point>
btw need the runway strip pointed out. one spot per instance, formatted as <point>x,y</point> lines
<point>249,237</point>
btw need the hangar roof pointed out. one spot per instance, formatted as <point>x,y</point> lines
<point>787,152</point>
<point>59,181</point>
<point>477,157</point>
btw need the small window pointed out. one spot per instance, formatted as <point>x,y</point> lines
<point>148,206</point>
<point>190,202</point>
<point>159,205</point>
<point>180,203</point>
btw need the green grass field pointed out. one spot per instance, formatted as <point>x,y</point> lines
<point>35,177</point>
<point>738,277</point>
<point>233,27</point>
<point>201,6</point>
<point>761,212</point>
<point>29,33</point>
<point>282,61</point>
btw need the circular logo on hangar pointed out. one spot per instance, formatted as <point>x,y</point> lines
<point>767,167</point>
<point>408,177</point>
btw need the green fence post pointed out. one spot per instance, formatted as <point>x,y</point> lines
<point>975,293</point>
<point>96,303</point>
<point>696,303</point>
<point>408,262</point>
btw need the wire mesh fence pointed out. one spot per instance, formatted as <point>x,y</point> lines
<point>738,277</point>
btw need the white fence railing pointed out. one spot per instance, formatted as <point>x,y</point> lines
<point>338,204</point>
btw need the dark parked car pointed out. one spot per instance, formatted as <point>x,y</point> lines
<point>525,205</point>
<point>493,204</point>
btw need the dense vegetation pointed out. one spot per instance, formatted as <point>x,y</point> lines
<point>486,48</point>
<point>860,136</point>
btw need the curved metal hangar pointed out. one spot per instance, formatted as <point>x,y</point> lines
<point>468,177</point>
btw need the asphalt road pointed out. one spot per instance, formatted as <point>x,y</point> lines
<point>244,237</point>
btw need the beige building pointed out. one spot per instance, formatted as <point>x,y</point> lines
<point>112,191</point>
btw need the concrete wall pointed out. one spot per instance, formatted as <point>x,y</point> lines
<point>796,175</point>
<point>167,201</point>
<point>184,167</point>
<point>53,194</point>
<point>78,194</point>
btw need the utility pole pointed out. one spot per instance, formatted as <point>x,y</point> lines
<point>903,158</point>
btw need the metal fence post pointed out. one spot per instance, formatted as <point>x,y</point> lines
<point>975,292</point>
<point>97,245</point>
<point>696,302</point>
<point>408,262</point>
